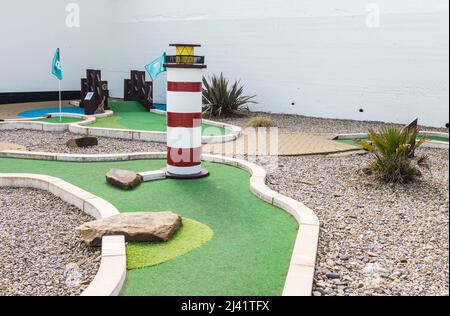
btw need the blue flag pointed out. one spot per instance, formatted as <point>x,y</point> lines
<point>156,67</point>
<point>56,66</point>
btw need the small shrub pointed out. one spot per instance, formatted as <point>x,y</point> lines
<point>393,150</point>
<point>260,121</point>
<point>221,98</point>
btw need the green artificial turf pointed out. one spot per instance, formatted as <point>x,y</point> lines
<point>64,120</point>
<point>253,240</point>
<point>354,142</point>
<point>132,115</point>
<point>192,235</point>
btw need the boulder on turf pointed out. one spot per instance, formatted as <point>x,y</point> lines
<point>136,227</point>
<point>82,142</point>
<point>123,179</point>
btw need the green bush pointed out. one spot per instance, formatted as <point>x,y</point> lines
<point>260,121</point>
<point>221,98</point>
<point>393,150</point>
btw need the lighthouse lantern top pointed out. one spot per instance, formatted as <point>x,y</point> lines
<point>185,57</point>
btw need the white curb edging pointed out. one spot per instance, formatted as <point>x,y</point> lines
<point>299,280</point>
<point>82,128</point>
<point>111,275</point>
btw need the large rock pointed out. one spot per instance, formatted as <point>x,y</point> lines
<point>136,227</point>
<point>82,142</point>
<point>123,179</point>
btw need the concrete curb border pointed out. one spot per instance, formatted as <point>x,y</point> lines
<point>429,144</point>
<point>299,280</point>
<point>82,128</point>
<point>111,275</point>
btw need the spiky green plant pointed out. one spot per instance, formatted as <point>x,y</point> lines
<point>221,99</point>
<point>393,149</point>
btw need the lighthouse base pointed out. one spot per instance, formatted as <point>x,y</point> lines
<point>203,174</point>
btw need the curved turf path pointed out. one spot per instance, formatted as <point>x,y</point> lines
<point>132,115</point>
<point>252,243</point>
<point>63,120</point>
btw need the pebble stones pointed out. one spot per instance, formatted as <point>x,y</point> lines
<point>376,239</point>
<point>55,142</point>
<point>41,253</point>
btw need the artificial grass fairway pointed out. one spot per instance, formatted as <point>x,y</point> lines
<point>253,240</point>
<point>132,115</point>
<point>353,142</point>
<point>192,235</point>
<point>64,120</point>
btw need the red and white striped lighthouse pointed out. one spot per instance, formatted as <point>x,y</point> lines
<point>184,113</point>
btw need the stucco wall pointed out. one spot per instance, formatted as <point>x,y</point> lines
<point>310,57</point>
<point>30,32</point>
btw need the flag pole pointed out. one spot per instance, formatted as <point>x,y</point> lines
<point>60,101</point>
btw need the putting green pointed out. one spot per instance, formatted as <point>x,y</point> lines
<point>354,142</point>
<point>63,120</point>
<point>132,115</point>
<point>192,235</point>
<point>249,254</point>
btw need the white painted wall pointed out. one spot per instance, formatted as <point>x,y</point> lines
<point>30,32</point>
<point>318,54</point>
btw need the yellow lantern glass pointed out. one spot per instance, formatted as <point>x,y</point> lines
<point>185,55</point>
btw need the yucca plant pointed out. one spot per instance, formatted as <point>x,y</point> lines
<point>221,99</point>
<point>393,150</point>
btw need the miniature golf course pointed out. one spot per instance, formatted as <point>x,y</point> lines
<point>232,243</point>
<point>132,115</point>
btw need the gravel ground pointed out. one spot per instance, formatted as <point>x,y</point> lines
<point>298,123</point>
<point>376,239</point>
<point>56,142</point>
<point>41,254</point>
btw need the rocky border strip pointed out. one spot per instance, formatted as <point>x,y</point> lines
<point>299,280</point>
<point>429,144</point>
<point>82,128</point>
<point>111,275</point>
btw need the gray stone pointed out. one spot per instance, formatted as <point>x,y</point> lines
<point>333,276</point>
<point>82,142</point>
<point>136,227</point>
<point>123,179</point>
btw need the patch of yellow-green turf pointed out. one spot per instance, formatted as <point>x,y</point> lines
<point>110,122</point>
<point>192,235</point>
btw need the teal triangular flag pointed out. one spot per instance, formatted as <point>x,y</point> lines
<point>156,67</point>
<point>56,66</point>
